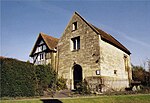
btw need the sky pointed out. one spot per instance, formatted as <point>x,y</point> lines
<point>22,21</point>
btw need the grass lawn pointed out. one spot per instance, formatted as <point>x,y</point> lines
<point>100,99</point>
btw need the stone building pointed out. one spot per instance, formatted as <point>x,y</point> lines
<point>85,52</point>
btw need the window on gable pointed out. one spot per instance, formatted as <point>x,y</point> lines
<point>75,43</point>
<point>40,48</point>
<point>44,47</point>
<point>74,26</point>
<point>41,42</point>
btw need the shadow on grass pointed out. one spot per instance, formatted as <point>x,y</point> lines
<point>51,101</point>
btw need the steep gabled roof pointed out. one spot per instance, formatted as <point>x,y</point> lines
<point>50,41</point>
<point>105,36</point>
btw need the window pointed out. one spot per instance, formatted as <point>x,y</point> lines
<point>41,42</point>
<point>126,62</point>
<point>44,47</point>
<point>115,71</point>
<point>75,43</point>
<point>40,48</point>
<point>41,56</point>
<point>97,72</point>
<point>74,26</point>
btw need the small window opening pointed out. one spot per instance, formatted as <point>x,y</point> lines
<point>74,26</point>
<point>97,72</point>
<point>41,56</point>
<point>76,43</point>
<point>115,71</point>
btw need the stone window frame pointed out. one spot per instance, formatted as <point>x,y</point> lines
<point>75,43</point>
<point>74,26</point>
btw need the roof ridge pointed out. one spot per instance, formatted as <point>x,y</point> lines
<point>41,33</point>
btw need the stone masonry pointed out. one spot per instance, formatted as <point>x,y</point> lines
<point>94,54</point>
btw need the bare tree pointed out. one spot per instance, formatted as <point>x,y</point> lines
<point>148,65</point>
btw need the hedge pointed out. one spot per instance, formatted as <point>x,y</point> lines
<point>45,77</point>
<point>24,79</point>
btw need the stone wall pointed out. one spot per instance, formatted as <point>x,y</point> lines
<point>53,60</point>
<point>94,54</point>
<point>86,56</point>
<point>103,84</point>
<point>112,59</point>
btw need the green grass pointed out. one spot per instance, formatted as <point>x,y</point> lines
<point>100,99</point>
<point>22,101</point>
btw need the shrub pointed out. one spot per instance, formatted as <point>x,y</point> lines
<point>61,84</point>
<point>45,78</point>
<point>83,88</point>
<point>140,74</point>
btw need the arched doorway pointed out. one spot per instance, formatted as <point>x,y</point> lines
<point>77,75</point>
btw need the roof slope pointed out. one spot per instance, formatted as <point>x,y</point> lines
<point>110,39</point>
<point>50,41</point>
<point>106,37</point>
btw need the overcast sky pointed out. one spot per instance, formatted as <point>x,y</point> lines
<point>23,20</point>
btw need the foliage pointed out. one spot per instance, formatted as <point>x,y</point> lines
<point>24,79</point>
<point>45,77</point>
<point>17,78</point>
<point>61,84</point>
<point>140,74</point>
<point>83,88</point>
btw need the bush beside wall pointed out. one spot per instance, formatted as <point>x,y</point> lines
<point>45,77</point>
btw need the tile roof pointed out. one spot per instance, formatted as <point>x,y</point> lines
<point>50,41</point>
<point>110,39</point>
<point>2,57</point>
<point>105,36</point>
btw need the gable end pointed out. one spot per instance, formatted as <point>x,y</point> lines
<point>105,36</point>
<point>49,41</point>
